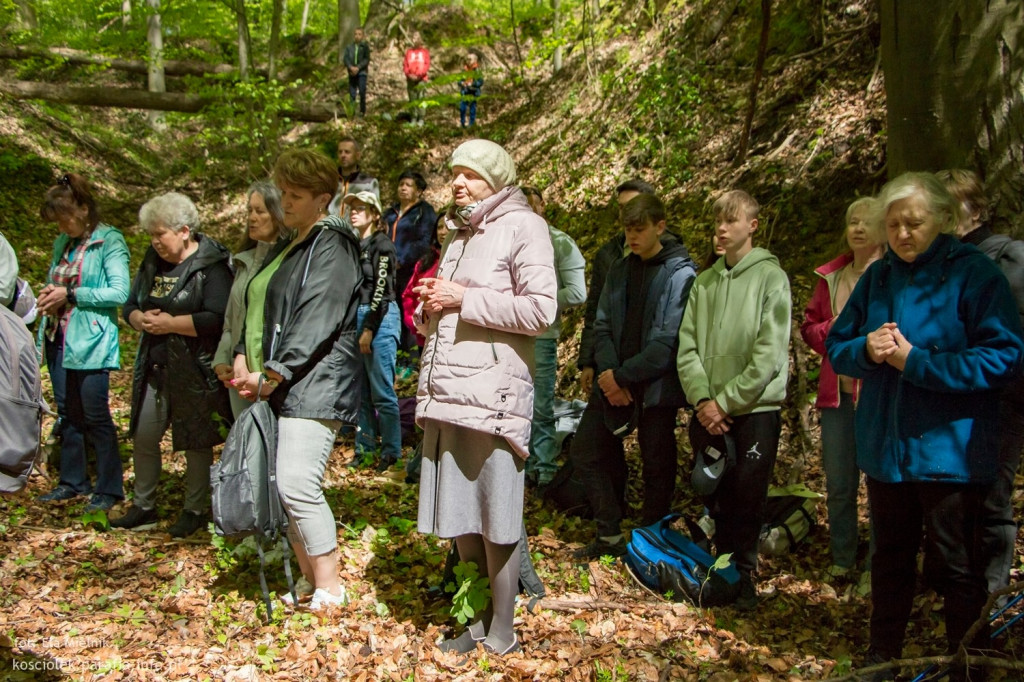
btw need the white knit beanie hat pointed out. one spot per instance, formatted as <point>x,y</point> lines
<point>489,160</point>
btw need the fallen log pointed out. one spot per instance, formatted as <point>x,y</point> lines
<point>123,98</point>
<point>71,56</point>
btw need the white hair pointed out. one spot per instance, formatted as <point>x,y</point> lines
<point>172,211</point>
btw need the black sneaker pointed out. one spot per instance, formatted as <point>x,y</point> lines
<point>189,522</point>
<point>135,518</point>
<point>747,600</point>
<point>100,502</point>
<point>599,548</point>
<point>385,464</point>
<point>59,494</point>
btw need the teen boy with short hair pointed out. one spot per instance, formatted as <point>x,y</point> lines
<point>733,363</point>
<point>635,331</point>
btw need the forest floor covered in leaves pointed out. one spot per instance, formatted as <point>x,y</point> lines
<point>81,602</point>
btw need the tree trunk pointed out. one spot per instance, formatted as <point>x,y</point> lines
<point>556,58</point>
<point>71,56</point>
<point>275,39</point>
<point>244,41</point>
<point>348,21</point>
<point>26,15</point>
<point>755,86</point>
<point>954,82</point>
<point>126,14</point>
<point>124,98</point>
<point>305,18</point>
<point>154,36</point>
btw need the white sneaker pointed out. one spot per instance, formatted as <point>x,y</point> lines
<point>323,599</point>
<point>303,589</point>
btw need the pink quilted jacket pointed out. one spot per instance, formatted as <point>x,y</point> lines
<point>476,369</point>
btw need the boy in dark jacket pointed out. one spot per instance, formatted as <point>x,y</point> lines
<point>636,338</point>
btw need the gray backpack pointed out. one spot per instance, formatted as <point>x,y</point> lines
<point>21,402</point>
<point>243,484</point>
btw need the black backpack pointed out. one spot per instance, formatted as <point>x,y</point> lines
<point>243,484</point>
<point>21,402</point>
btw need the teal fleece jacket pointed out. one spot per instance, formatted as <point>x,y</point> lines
<point>734,338</point>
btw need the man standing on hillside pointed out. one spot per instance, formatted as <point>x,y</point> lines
<point>416,67</point>
<point>351,178</point>
<point>357,62</point>
<point>733,362</point>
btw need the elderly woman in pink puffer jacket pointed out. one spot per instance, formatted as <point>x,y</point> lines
<point>494,291</point>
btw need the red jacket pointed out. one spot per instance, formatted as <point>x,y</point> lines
<point>818,318</point>
<point>411,300</point>
<point>416,64</point>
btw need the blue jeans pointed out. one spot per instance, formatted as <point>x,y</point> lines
<point>470,106</point>
<point>541,464</point>
<point>357,86</point>
<point>378,410</point>
<point>842,479</point>
<point>83,405</point>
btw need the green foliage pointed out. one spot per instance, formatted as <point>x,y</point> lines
<point>244,119</point>
<point>472,592</point>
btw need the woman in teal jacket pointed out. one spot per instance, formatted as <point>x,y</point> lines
<point>88,279</point>
<point>933,332</point>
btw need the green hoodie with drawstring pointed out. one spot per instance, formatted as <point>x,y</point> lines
<point>734,337</point>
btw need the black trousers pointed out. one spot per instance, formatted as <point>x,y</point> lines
<point>738,504</point>
<point>599,458</point>
<point>951,513</point>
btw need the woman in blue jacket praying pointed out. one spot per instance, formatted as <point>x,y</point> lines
<point>933,332</point>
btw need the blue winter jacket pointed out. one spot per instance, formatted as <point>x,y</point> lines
<point>91,338</point>
<point>938,420</point>
<point>653,368</point>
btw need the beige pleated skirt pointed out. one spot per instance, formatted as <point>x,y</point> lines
<point>470,482</point>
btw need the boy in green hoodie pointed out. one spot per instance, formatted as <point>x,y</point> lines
<point>733,363</point>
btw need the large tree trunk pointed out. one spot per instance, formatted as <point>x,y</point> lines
<point>72,56</point>
<point>275,38</point>
<point>139,99</point>
<point>348,21</point>
<point>954,82</point>
<point>154,35</point>
<point>126,14</point>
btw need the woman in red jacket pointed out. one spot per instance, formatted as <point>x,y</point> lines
<point>837,395</point>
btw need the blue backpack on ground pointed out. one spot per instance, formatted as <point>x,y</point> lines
<point>666,561</point>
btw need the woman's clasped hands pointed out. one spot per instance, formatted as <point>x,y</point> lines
<point>887,344</point>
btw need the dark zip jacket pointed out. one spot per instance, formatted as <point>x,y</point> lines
<point>199,404</point>
<point>653,369</point>
<point>357,54</point>
<point>609,253</point>
<point>309,328</point>
<point>377,260</point>
<point>414,232</point>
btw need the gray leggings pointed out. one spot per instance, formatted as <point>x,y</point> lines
<point>153,420</point>
<point>303,447</point>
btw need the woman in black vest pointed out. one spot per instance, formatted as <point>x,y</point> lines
<point>177,301</point>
